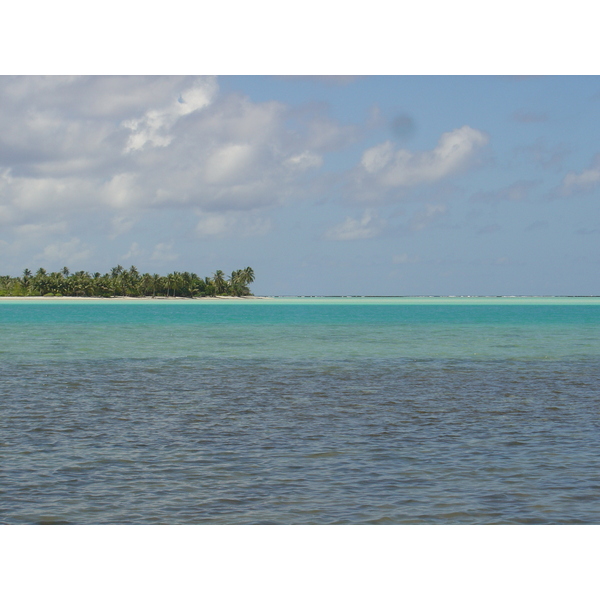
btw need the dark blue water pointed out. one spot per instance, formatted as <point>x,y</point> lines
<point>299,412</point>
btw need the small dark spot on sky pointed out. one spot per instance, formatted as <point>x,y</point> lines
<point>403,127</point>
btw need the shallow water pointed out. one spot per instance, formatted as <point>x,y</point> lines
<point>303,411</point>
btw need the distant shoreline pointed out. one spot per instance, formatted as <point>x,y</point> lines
<point>137,298</point>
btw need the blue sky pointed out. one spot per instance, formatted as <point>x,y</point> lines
<point>383,185</point>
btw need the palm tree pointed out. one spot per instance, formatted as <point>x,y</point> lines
<point>145,281</point>
<point>26,278</point>
<point>124,277</point>
<point>169,280</point>
<point>219,282</point>
<point>209,286</point>
<point>249,274</point>
<point>177,283</point>
<point>155,282</point>
<point>40,281</point>
<point>134,279</point>
<point>128,282</point>
<point>236,281</point>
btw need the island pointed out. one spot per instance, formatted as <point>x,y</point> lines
<point>121,282</point>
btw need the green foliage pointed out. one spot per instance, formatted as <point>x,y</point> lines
<point>126,282</point>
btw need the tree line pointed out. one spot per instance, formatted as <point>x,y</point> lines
<point>126,282</point>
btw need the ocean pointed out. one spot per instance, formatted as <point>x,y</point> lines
<point>300,411</point>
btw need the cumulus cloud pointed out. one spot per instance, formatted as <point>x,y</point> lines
<point>233,154</point>
<point>129,145</point>
<point>584,181</point>
<point>391,167</point>
<point>230,164</point>
<point>368,226</point>
<point>122,190</point>
<point>155,125</point>
<point>303,161</point>
<point>90,97</point>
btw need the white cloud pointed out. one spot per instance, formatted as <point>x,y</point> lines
<point>35,195</point>
<point>306,160</point>
<point>375,159</point>
<point>368,226</point>
<point>154,127</point>
<point>122,190</point>
<point>395,168</point>
<point>114,97</point>
<point>229,164</point>
<point>581,182</point>
<point>120,146</point>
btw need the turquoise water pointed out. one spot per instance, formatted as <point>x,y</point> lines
<point>300,411</point>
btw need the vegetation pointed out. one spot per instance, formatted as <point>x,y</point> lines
<point>126,282</point>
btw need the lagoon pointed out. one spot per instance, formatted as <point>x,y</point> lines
<point>300,410</point>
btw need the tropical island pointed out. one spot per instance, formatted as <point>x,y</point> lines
<point>121,282</point>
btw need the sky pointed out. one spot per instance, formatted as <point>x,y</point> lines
<point>324,185</point>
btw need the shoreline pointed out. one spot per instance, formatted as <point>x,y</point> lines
<point>128,298</point>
